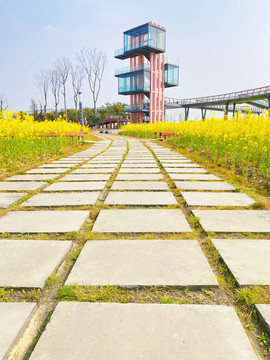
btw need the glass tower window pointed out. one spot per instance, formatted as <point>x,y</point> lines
<point>145,35</point>
<point>134,83</point>
<point>171,75</point>
<point>157,38</point>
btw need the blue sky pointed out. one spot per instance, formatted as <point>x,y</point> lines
<point>221,45</point>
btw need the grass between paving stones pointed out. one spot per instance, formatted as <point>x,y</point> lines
<point>19,295</point>
<point>228,293</point>
<point>161,295</point>
<point>227,283</point>
<point>45,298</point>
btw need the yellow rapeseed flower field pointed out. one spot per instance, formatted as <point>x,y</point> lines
<point>240,143</point>
<point>23,125</point>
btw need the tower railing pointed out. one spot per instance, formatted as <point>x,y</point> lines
<point>136,45</point>
<point>129,69</point>
<point>134,108</point>
<point>171,62</point>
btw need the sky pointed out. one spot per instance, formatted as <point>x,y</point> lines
<point>222,45</point>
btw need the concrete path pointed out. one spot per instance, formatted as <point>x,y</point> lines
<point>127,185</point>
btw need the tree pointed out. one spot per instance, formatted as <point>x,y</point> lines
<point>63,66</point>
<point>3,102</point>
<point>116,109</point>
<point>93,62</point>
<point>43,82</point>
<point>34,108</point>
<point>77,76</point>
<point>55,87</point>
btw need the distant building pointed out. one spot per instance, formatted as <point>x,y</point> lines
<point>148,74</point>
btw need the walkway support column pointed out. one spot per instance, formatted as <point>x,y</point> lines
<point>186,112</point>
<point>227,109</point>
<point>203,113</point>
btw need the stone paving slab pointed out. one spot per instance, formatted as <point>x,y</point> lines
<point>228,221</point>
<point>14,317</point>
<point>180,165</point>
<point>7,199</point>
<point>62,199</point>
<point>143,331</point>
<point>86,177</point>
<point>217,199</point>
<point>68,161</point>
<point>107,158</point>
<point>142,263</point>
<point>158,198</point>
<point>139,165</point>
<point>170,156</point>
<point>100,166</point>
<point>145,158</point>
<point>173,161</point>
<point>139,177</point>
<point>141,220</point>
<point>46,171</point>
<point>77,186</point>
<point>102,163</point>
<point>26,177</point>
<point>19,186</point>
<point>263,311</point>
<point>94,171</point>
<point>28,263</point>
<point>140,185</point>
<point>80,157</point>
<point>43,221</point>
<point>57,166</point>
<point>204,185</point>
<point>202,177</point>
<point>248,260</point>
<point>185,170</point>
<point>137,170</point>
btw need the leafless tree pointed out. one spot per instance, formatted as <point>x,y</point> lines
<point>55,87</point>
<point>3,102</point>
<point>77,76</point>
<point>93,62</point>
<point>40,108</point>
<point>63,66</point>
<point>43,83</point>
<point>34,108</point>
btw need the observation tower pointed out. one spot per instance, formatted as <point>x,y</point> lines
<point>148,74</point>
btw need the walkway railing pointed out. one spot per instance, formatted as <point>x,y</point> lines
<point>222,99</point>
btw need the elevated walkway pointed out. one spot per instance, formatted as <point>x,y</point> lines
<point>257,99</point>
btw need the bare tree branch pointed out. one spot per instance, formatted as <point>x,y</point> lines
<point>55,87</point>
<point>63,66</point>
<point>34,108</point>
<point>77,76</point>
<point>3,102</point>
<point>93,62</point>
<point>43,82</point>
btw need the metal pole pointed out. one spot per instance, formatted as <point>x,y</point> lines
<point>81,110</point>
<point>234,108</point>
<point>227,109</point>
